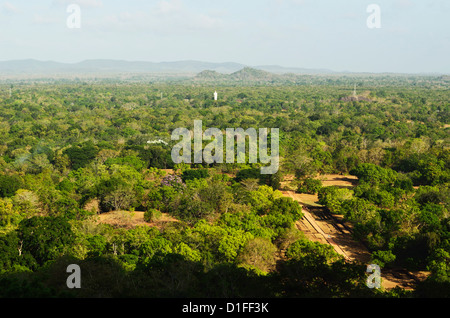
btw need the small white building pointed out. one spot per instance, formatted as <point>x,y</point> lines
<point>215,95</point>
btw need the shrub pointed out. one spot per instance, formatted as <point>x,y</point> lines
<point>195,174</point>
<point>248,174</point>
<point>9,185</point>
<point>152,215</point>
<point>333,197</point>
<point>310,186</point>
<point>383,258</point>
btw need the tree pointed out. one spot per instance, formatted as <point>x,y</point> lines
<point>250,184</point>
<point>81,155</point>
<point>316,270</point>
<point>383,258</point>
<point>245,174</point>
<point>258,253</point>
<point>302,164</point>
<point>189,207</point>
<point>261,199</point>
<point>46,238</point>
<point>194,174</point>
<point>152,215</point>
<point>309,186</point>
<point>248,221</point>
<point>430,217</point>
<point>9,185</point>
<point>8,214</point>
<point>373,174</point>
<point>216,243</point>
<point>314,251</point>
<point>96,245</point>
<point>287,206</point>
<point>359,211</point>
<point>122,198</point>
<point>122,188</point>
<point>272,180</point>
<point>217,195</point>
<point>132,161</point>
<point>333,197</point>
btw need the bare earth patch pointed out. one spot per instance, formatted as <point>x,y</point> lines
<point>126,219</point>
<point>329,180</point>
<point>321,226</point>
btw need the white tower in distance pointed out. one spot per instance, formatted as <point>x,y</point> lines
<point>215,95</point>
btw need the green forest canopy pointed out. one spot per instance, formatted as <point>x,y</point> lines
<point>64,144</point>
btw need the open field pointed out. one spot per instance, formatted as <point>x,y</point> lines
<point>129,220</point>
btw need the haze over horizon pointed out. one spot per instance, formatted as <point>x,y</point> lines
<point>414,36</point>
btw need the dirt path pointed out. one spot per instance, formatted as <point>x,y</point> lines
<point>319,225</point>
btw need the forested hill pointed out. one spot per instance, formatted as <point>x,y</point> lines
<point>246,75</point>
<point>256,77</point>
<point>205,73</point>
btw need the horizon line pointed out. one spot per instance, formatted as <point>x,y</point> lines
<point>324,71</point>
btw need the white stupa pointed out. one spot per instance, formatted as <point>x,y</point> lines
<point>215,95</point>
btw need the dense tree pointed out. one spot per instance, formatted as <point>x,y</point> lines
<point>309,186</point>
<point>9,185</point>
<point>67,145</point>
<point>333,197</point>
<point>258,253</point>
<point>46,238</point>
<point>81,155</point>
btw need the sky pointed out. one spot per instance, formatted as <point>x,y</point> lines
<point>413,37</point>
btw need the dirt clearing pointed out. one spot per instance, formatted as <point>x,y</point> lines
<point>126,219</point>
<point>321,226</point>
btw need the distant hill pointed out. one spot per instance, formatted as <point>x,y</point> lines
<point>113,66</point>
<point>293,70</point>
<point>209,75</point>
<point>35,67</point>
<point>197,71</point>
<point>252,74</point>
<point>247,75</point>
<point>31,66</point>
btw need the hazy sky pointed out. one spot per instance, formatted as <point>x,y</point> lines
<point>332,34</point>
